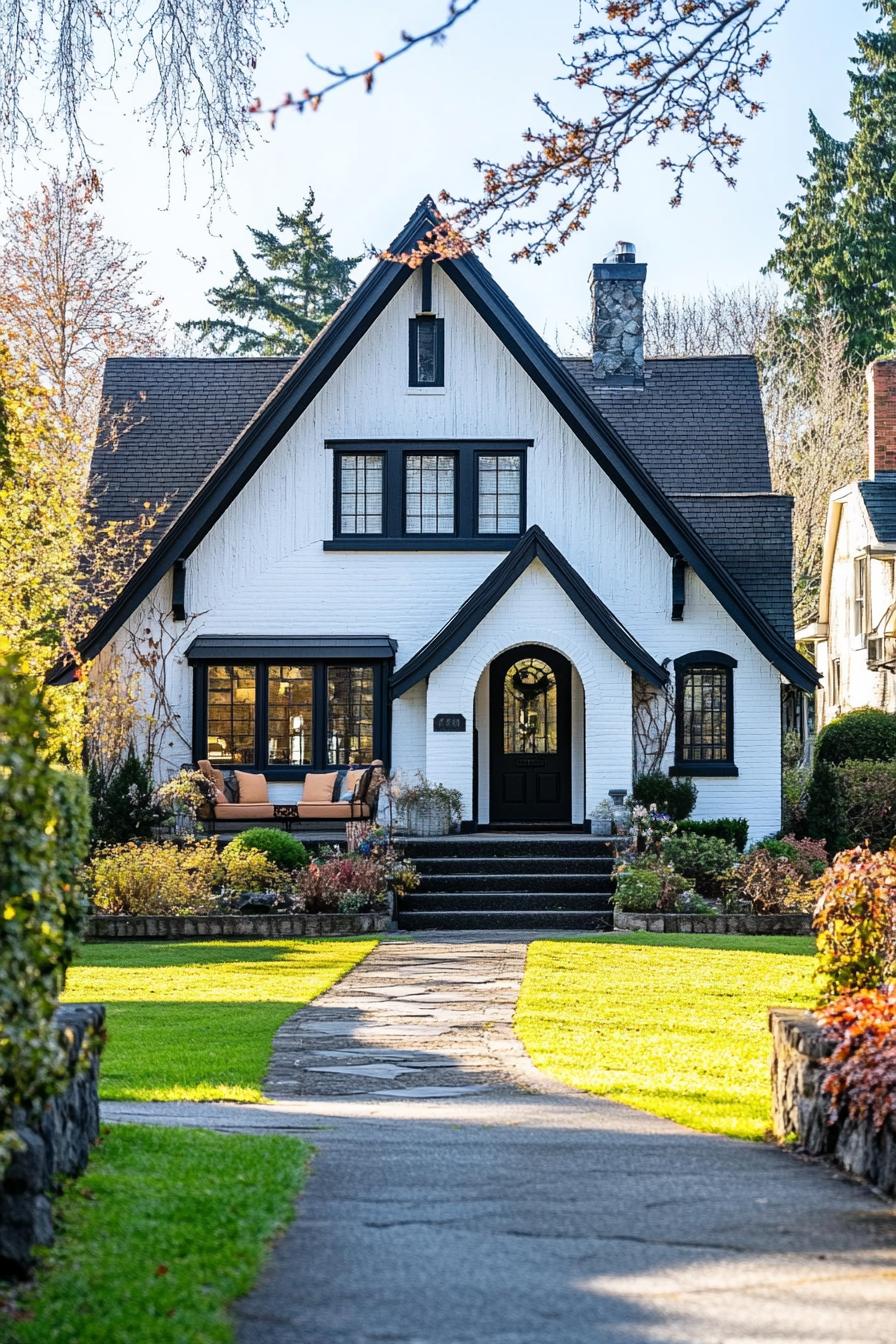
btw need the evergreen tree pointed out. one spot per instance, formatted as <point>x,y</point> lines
<point>282,311</point>
<point>838,240</point>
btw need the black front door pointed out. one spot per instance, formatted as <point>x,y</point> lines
<point>530,737</point>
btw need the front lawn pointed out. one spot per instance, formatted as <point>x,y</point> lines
<point>164,1229</point>
<point>195,1021</point>
<point>673,1024</point>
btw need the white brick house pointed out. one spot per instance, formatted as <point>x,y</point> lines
<point>433,540</point>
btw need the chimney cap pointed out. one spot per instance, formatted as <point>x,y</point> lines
<point>622,253</point>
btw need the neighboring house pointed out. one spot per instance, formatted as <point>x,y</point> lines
<point>855,633</point>
<point>432,539</point>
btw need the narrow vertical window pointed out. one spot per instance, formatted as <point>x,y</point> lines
<point>429,494</point>
<point>350,701</point>
<point>360,494</point>
<point>427,351</point>
<point>290,710</point>
<point>231,713</point>
<point>860,595</point>
<point>499,498</point>
<point>834,688</point>
<point>704,712</point>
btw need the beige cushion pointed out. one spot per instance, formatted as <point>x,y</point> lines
<point>332,811</point>
<point>211,773</point>
<point>352,779</point>
<point>244,811</point>
<point>253,788</point>
<point>220,796</point>
<point>319,788</point>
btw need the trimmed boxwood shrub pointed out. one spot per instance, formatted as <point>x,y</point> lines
<point>44,821</point>
<point>279,847</point>
<point>675,797</point>
<point>860,735</point>
<point>735,830</point>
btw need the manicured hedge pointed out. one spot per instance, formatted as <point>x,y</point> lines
<point>44,831</point>
<point>860,735</point>
<point>675,797</point>
<point>735,830</point>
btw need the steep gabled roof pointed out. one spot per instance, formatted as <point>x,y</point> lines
<point>533,545</point>
<point>879,498</point>
<point>297,390</point>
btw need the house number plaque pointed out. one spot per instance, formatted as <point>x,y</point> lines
<point>449,723</point>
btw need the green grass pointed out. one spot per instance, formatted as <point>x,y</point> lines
<point>670,1023</point>
<point>165,1228</point>
<point>195,1021</point>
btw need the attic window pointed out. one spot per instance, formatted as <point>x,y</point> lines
<point>427,351</point>
<point>426,348</point>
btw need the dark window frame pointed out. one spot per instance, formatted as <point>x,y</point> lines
<point>438,326</point>
<point>466,535</point>
<point>408,453</point>
<point>320,706</point>
<point>719,662</point>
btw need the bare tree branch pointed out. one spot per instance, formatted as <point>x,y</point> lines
<point>340,75</point>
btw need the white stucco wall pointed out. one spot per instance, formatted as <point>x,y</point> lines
<point>262,569</point>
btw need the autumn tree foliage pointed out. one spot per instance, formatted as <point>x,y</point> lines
<point>71,296</point>
<point>281,310</point>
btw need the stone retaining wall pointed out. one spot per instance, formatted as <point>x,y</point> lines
<point>800,1108</point>
<point>658,922</point>
<point>57,1146</point>
<point>101,927</point>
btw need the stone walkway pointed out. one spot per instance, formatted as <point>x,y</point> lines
<point>460,1197</point>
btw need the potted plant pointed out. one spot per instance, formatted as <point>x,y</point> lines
<point>426,808</point>
<point>602,818</point>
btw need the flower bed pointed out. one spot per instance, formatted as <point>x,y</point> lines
<point>676,876</point>
<point>259,873</point>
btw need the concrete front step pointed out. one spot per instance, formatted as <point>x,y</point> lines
<point>530,863</point>
<point>420,901</point>
<point>502,881</point>
<point>488,846</point>
<point>598,920</point>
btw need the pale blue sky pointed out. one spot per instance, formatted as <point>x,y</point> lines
<point>370,159</point>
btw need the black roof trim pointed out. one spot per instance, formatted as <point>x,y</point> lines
<point>532,545</point>
<point>547,371</point>
<point>233,648</point>
<point>657,511</point>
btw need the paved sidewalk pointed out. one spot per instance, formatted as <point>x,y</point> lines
<point>460,1197</point>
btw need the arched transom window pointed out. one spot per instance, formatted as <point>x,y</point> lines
<point>530,709</point>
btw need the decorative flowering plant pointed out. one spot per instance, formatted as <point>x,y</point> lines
<point>188,791</point>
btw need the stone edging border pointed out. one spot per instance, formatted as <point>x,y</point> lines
<point>800,1108</point>
<point>658,922</point>
<point>103,927</point>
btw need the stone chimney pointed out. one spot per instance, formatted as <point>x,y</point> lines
<point>881,376</point>
<point>617,318</point>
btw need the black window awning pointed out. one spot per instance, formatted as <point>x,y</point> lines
<point>290,648</point>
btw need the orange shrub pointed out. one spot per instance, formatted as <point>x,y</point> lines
<point>855,920</point>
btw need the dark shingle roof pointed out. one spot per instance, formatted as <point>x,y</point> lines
<point>166,423</point>
<point>879,497</point>
<point>751,536</point>
<point>697,424</point>
<point>692,417</point>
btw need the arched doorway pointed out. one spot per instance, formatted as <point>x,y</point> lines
<point>530,737</point>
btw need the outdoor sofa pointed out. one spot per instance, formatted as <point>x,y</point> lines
<point>348,794</point>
